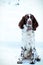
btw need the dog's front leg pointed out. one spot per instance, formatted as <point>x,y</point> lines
<point>32,60</point>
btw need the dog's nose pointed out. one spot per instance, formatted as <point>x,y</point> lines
<point>29,22</point>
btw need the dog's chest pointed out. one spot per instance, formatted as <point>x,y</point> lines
<point>27,34</point>
<point>27,38</point>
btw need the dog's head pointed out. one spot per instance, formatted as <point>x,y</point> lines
<point>28,20</point>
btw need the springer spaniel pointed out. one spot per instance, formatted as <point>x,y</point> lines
<point>28,24</point>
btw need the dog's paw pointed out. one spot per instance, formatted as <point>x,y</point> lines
<point>38,59</point>
<point>19,62</point>
<point>32,62</point>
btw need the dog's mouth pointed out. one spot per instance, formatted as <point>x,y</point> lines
<point>29,27</point>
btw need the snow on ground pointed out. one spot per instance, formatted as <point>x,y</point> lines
<point>9,54</point>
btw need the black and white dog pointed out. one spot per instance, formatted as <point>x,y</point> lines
<point>28,24</point>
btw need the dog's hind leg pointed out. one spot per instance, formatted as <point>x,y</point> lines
<point>20,59</point>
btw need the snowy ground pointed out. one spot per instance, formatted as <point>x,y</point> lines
<point>9,53</point>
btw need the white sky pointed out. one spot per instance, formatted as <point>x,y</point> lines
<point>11,14</point>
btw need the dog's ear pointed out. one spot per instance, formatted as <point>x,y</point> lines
<point>34,23</point>
<point>21,23</point>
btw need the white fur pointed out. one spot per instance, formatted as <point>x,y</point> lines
<point>27,40</point>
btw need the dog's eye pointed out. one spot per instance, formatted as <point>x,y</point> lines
<point>27,16</point>
<point>31,17</point>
